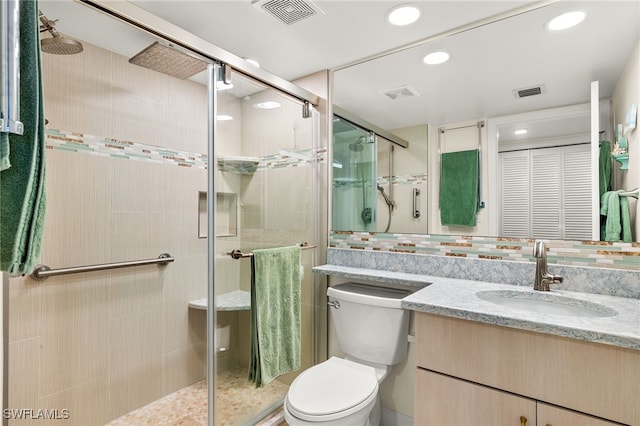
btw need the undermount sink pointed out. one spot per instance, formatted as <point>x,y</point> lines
<point>546,303</point>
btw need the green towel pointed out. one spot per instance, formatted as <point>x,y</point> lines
<point>22,192</point>
<point>275,313</point>
<point>616,210</point>
<point>604,174</point>
<point>459,187</point>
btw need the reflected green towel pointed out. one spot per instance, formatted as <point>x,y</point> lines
<point>459,187</point>
<point>618,220</point>
<point>604,174</point>
<point>22,193</point>
<point>275,313</point>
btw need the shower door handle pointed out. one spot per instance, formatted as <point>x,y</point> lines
<point>416,212</point>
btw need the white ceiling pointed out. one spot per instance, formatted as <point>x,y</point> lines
<point>486,63</point>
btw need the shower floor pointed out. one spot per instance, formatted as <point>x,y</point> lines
<point>237,402</point>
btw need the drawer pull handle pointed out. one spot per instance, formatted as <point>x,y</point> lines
<point>523,421</point>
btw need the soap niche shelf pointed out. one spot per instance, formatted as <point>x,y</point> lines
<point>238,164</point>
<point>226,214</point>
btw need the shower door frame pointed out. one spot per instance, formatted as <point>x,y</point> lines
<point>217,57</point>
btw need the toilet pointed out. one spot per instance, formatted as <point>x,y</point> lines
<point>372,331</point>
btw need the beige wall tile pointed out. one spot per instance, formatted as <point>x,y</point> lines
<point>23,377</point>
<point>186,282</point>
<point>184,367</point>
<point>78,219</point>
<point>24,308</point>
<point>136,361</point>
<point>74,331</point>
<point>87,404</point>
<point>135,291</point>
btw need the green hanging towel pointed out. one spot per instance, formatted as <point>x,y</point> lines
<point>604,174</point>
<point>459,187</point>
<point>22,181</point>
<point>275,313</point>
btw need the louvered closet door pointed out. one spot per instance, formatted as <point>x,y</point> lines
<point>515,194</point>
<point>546,193</point>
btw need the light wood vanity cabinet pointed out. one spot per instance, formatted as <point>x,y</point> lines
<point>469,373</point>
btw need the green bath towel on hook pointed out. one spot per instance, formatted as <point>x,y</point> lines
<point>459,187</point>
<point>275,313</point>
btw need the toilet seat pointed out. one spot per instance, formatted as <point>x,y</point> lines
<point>331,390</point>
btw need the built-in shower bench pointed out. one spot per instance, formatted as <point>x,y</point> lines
<point>238,300</point>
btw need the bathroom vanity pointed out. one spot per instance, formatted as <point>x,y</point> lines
<point>472,373</point>
<point>480,364</point>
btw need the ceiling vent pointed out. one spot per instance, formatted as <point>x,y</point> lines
<point>402,92</point>
<point>525,92</point>
<point>289,11</point>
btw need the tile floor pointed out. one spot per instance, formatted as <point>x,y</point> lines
<point>237,402</point>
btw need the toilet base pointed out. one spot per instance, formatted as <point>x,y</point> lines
<point>373,419</point>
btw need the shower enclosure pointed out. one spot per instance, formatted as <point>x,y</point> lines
<point>354,177</point>
<point>141,163</point>
<point>267,196</point>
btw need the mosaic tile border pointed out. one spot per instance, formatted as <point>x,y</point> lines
<point>97,145</point>
<point>616,255</point>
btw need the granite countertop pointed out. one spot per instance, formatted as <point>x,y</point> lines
<point>461,299</point>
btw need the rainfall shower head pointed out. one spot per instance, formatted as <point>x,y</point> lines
<point>166,59</point>
<point>56,44</point>
<point>358,146</point>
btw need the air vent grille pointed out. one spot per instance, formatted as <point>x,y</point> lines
<point>289,11</point>
<point>538,89</point>
<point>402,92</point>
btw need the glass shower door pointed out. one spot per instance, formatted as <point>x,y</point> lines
<point>266,196</point>
<point>354,177</point>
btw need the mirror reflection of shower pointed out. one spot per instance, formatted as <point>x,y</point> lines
<point>366,215</point>
<point>354,176</point>
<point>388,199</point>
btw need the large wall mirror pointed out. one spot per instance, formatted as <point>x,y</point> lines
<point>511,74</point>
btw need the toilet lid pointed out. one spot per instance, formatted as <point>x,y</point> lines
<point>331,387</point>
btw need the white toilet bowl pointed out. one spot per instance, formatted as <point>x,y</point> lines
<point>337,392</point>
<point>372,331</point>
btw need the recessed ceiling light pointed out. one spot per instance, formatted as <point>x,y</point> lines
<point>566,20</point>
<point>520,132</point>
<point>436,58</point>
<point>267,105</point>
<point>224,117</point>
<point>404,14</point>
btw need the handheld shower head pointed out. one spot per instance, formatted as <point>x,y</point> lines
<point>387,200</point>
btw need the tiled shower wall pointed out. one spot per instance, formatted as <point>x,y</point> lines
<point>101,344</point>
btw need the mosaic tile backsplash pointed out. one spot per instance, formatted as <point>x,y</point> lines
<point>591,267</point>
<point>600,254</point>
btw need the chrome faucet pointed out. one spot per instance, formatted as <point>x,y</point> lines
<point>543,277</point>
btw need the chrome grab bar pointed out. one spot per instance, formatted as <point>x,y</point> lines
<point>42,272</point>
<point>238,254</point>
<point>416,212</point>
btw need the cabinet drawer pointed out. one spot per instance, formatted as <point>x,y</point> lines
<point>597,379</point>
<point>443,400</point>
<point>548,415</point>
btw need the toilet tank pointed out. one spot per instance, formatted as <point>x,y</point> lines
<point>370,322</point>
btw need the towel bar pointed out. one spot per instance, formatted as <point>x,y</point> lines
<point>238,254</point>
<point>43,272</point>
